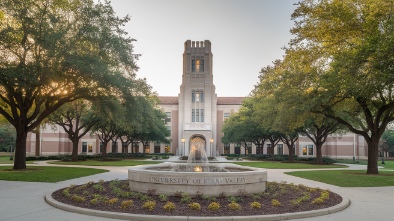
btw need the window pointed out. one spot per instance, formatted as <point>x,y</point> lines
<point>167,148</point>
<point>197,96</point>
<point>136,147</point>
<point>169,129</point>
<point>84,147</point>
<point>280,149</point>
<point>227,148</point>
<point>147,148</point>
<point>310,149</point>
<point>157,147</point>
<point>307,149</point>
<point>248,148</point>
<point>237,149</point>
<point>114,147</point>
<point>226,115</point>
<point>168,117</point>
<point>270,149</point>
<point>197,115</point>
<point>90,148</point>
<point>259,149</point>
<point>197,65</point>
<point>101,147</point>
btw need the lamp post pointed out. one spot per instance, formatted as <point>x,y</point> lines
<point>183,147</point>
<point>11,157</point>
<point>384,143</point>
<point>211,141</point>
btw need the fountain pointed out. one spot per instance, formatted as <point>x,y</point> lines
<point>197,175</point>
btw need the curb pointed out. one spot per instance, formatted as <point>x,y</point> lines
<point>141,217</point>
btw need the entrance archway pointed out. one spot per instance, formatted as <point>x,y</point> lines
<point>198,139</point>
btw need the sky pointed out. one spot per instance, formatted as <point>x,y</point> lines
<point>246,35</point>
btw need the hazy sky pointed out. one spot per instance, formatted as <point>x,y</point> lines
<point>246,35</point>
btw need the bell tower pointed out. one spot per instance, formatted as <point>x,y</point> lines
<point>197,98</point>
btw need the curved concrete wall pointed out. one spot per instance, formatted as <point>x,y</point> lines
<point>145,178</point>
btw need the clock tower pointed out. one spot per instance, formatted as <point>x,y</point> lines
<point>197,99</point>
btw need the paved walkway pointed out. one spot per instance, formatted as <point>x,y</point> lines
<point>24,201</point>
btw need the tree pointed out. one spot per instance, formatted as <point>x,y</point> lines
<point>318,133</point>
<point>76,119</point>
<point>348,46</point>
<point>54,52</point>
<point>235,131</point>
<point>153,127</point>
<point>7,136</point>
<point>388,140</point>
<point>289,138</point>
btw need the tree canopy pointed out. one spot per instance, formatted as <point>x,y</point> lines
<point>54,52</point>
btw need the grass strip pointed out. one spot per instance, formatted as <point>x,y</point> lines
<point>46,173</point>
<point>6,160</point>
<point>282,165</point>
<point>348,178</point>
<point>91,162</point>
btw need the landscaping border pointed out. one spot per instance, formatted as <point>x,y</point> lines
<point>140,217</point>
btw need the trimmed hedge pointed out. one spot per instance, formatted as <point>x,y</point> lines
<point>67,157</point>
<point>267,157</point>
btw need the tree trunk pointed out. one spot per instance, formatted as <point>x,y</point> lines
<point>104,153</point>
<point>20,151</point>
<point>74,155</point>
<point>38,141</point>
<point>291,154</point>
<point>319,153</point>
<point>373,153</point>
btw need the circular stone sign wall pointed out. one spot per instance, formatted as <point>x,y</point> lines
<point>162,181</point>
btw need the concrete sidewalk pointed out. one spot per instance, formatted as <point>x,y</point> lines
<point>24,201</point>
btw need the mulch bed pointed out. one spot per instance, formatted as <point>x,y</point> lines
<point>292,198</point>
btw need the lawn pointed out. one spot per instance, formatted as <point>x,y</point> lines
<point>46,174</point>
<point>91,162</point>
<point>6,160</point>
<point>348,178</point>
<point>281,165</point>
<point>389,164</point>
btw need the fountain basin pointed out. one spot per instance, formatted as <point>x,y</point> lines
<point>148,178</point>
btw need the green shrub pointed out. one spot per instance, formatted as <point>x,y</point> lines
<point>94,201</point>
<point>195,206</point>
<point>234,199</point>
<point>126,204</point>
<point>325,194</point>
<point>318,201</point>
<point>149,205</point>
<point>234,206</point>
<point>255,205</point>
<point>66,192</point>
<point>169,206</point>
<point>186,198</point>
<point>162,198</point>
<point>214,206</point>
<point>144,197</point>
<point>112,201</point>
<point>98,187</point>
<point>256,196</point>
<point>78,198</point>
<point>275,203</point>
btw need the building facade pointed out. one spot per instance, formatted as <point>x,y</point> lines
<point>196,117</point>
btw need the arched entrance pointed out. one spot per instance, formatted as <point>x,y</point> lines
<point>197,139</point>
